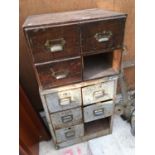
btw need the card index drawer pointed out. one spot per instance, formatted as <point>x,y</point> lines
<point>63,100</point>
<point>98,111</point>
<point>102,35</point>
<point>59,73</point>
<point>98,92</point>
<point>51,43</point>
<point>70,133</point>
<point>66,118</point>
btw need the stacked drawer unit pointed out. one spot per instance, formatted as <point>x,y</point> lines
<point>80,111</point>
<point>77,58</point>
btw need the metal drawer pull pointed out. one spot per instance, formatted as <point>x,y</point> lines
<point>103,36</point>
<point>60,74</point>
<point>99,112</point>
<point>56,45</point>
<point>70,134</point>
<point>65,101</point>
<point>99,94</point>
<point>67,118</point>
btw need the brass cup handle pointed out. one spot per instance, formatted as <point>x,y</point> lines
<point>103,36</point>
<point>70,134</point>
<point>59,74</point>
<point>65,101</point>
<point>56,45</point>
<point>99,112</point>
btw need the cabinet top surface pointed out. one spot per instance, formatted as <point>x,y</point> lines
<point>68,17</point>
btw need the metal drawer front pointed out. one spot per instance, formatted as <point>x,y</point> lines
<point>66,118</point>
<point>98,111</point>
<point>69,133</point>
<point>99,92</point>
<point>63,100</point>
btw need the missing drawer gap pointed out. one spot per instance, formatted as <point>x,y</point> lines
<point>100,65</point>
<point>97,126</point>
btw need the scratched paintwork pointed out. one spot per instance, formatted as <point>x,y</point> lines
<point>66,118</point>
<point>107,88</point>
<point>78,131</point>
<point>105,109</point>
<point>54,100</point>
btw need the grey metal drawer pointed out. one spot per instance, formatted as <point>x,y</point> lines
<point>63,100</point>
<point>69,133</point>
<point>98,111</point>
<point>66,118</point>
<point>99,92</point>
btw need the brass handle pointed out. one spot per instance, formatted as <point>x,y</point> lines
<point>103,36</point>
<point>66,119</point>
<point>99,112</point>
<point>65,101</point>
<point>99,94</point>
<point>56,45</point>
<point>70,134</point>
<point>60,74</point>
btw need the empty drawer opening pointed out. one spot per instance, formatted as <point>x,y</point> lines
<point>100,65</point>
<point>97,126</point>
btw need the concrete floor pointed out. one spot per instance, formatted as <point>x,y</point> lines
<point>120,142</point>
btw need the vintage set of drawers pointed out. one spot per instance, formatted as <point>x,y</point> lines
<point>77,58</point>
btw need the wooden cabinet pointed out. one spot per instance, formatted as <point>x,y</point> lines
<point>77,58</point>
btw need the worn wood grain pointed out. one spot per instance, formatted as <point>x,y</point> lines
<point>71,17</point>
<point>42,39</point>
<point>59,73</point>
<point>91,31</point>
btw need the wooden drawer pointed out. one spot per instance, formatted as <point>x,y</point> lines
<point>102,35</point>
<point>59,73</point>
<point>69,133</point>
<point>63,100</point>
<point>54,42</point>
<point>98,111</point>
<point>66,118</point>
<point>98,92</point>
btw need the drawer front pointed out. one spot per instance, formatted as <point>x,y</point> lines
<point>54,43</point>
<point>102,35</point>
<point>98,111</point>
<point>72,132</point>
<point>99,92</point>
<point>59,73</point>
<point>63,100</point>
<point>66,118</point>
